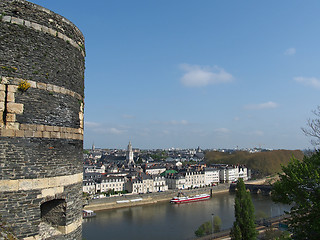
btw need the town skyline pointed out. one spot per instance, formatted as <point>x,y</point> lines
<point>185,74</point>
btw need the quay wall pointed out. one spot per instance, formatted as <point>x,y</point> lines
<point>151,198</point>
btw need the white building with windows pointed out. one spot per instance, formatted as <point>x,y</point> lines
<point>89,186</point>
<point>194,178</point>
<point>159,183</point>
<point>211,175</point>
<point>155,170</point>
<point>230,174</point>
<point>139,184</point>
<point>112,183</point>
<point>176,181</point>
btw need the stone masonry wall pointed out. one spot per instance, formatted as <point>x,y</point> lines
<point>41,121</point>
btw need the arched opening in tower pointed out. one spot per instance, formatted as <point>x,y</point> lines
<point>54,212</point>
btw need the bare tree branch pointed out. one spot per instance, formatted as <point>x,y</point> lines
<point>313,127</point>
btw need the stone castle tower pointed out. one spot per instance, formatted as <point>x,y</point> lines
<point>41,122</point>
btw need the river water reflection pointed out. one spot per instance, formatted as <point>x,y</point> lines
<point>169,221</point>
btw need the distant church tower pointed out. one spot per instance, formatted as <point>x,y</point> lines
<point>129,156</point>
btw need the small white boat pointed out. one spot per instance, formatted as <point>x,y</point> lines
<point>88,213</point>
<point>186,199</point>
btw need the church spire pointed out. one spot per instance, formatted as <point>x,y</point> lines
<point>129,155</point>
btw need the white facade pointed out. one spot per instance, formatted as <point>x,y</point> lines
<point>195,179</point>
<point>112,183</point>
<point>89,187</point>
<point>176,181</point>
<point>155,171</point>
<point>233,173</point>
<point>159,184</point>
<point>137,186</point>
<point>94,169</point>
<point>211,175</point>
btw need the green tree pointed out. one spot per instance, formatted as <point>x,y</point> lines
<point>204,229</point>
<point>244,227</point>
<point>217,224</point>
<point>299,185</point>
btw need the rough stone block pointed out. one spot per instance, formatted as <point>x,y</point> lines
<point>2,96</point>
<point>40,127</point>
<point>12,88</point>
<point>55,134</point>
<point>45,29</point>
<point>52,32</point>
<point>50,87</point>
<point>40,183</point>
<point>13,125</point>
<point>6,132</point>
<point>25,184</point>
<point>38,134</point>
<point>51,191</point>
<point>36,26</point>
<point>19,133</point>
<point>56,89</point>
<point>6,18</point>
<point>9,185</point>
<point>60,35</point>
<point>42,86</point>
<point>18,21</point>
<point>32,127</point>
<point>29,133</point>
<point>1,106</point>
<point>24,126</point>
<point>33,84</point>
<point>16,108</point>
<point>27,23</point>
<point>2,87</point>
<point>46,134</point>
<point>11,117</point>
<point>48,128</point>
<point>56,129</point>
<point>63,90</point>
<point>10,97</point>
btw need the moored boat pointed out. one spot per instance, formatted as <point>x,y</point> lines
<point>88,213</point>
<point>186,199</point>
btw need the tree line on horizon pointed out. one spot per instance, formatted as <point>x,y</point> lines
<point>261,163</point>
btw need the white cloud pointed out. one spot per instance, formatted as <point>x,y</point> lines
<point>313,82</point>
<point>172,122</point>
<point>290,52</point>
<point>222,130</point>
<point>91,124</point>
<point>261,106</point>
<point>200,76</point>
<point>115,131</point>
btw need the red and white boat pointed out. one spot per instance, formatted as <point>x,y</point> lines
<point>186,199</point>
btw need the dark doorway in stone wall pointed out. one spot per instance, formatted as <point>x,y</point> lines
<point>54,212</point>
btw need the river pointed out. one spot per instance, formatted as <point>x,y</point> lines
<point>169,221</point>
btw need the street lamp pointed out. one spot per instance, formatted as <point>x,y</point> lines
<point>212,227</point>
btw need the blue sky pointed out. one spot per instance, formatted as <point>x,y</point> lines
<point>209,73</point>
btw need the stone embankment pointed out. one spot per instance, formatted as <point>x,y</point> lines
<point>131,200</point>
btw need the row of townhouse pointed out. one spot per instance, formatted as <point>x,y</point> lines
<point>144,183</point>
<point>133,184</point>
<point>206,177</point>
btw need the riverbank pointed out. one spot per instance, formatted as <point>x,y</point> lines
<point>132,200</point>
